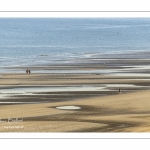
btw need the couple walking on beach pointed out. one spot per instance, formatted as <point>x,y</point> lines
<point>28,71</point>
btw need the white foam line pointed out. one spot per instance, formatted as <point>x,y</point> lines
<point>123,85</point>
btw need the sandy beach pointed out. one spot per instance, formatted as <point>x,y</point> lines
<point>28,102</point>
<point>118,113</point>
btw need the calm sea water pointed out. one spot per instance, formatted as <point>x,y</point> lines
<point>37,41</point>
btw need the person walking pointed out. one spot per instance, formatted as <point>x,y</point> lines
<point>27,71</point>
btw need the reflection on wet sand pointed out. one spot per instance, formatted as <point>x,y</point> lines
<point>81,96</point>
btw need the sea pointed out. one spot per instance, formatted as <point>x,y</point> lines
<point>26,42</point>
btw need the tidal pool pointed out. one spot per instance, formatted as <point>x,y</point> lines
<point>69,107</point>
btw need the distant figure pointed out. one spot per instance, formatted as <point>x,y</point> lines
<point>27,71</point>
<point>119,90</point>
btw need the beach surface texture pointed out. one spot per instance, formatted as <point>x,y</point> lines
<point>83,102</point>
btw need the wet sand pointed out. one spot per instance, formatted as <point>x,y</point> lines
<point>118,113</point>
<point>28,102</point>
